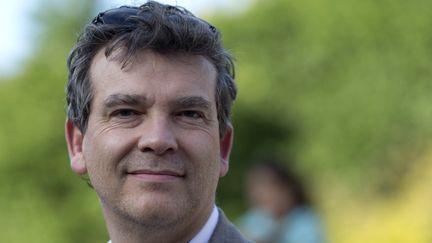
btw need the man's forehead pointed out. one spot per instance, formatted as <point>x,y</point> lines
<point>149,57</point>
<point>149,65</point>
<point>189,72</point>
<point>149,62</point>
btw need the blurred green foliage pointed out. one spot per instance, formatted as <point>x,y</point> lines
<point>40,199</point>
<point>351,78</point>
<point>339,87</point>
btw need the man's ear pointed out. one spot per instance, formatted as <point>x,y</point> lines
<point>74,140</point>
<point>225,149</point>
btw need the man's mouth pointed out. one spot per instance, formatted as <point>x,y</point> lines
<point>156,175</point>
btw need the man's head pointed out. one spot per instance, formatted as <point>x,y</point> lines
<point>149,97</point>
<point>162,28</point>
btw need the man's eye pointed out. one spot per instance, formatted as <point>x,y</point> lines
<point>124,113</point>
<point>191,114</point>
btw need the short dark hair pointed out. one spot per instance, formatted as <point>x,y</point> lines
<point>162,28</point>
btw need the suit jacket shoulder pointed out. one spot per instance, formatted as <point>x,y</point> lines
<point>225,231</point>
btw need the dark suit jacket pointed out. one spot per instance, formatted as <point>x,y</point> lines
<point>225,231</point>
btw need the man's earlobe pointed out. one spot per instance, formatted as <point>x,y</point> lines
<point>225,150</point>
<point>74,140</point>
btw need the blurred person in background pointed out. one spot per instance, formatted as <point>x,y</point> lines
<point>149,97</point>
<point>280,211</point>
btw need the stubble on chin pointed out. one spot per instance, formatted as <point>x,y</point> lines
<point>161,207</point>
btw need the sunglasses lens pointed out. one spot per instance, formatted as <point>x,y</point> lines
<point>115,16</point>
<point>122,15</point>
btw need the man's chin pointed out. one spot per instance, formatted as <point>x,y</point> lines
<point>156,210</point>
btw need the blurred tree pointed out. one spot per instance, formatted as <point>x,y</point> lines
<point>255,135</point>
<point>41,201</point>
<point>352,76</point>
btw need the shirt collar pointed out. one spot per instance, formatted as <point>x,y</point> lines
<point>206,231</point>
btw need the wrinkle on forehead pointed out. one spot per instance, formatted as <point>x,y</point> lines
<point>148,65</point>
<point>152,58</point>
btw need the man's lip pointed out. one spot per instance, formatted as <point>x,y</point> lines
<point>156,176</point>
<point>156,172</point>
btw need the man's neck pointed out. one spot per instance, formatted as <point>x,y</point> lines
<point>122,230</point>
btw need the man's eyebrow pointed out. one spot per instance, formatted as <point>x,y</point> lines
<point>124,99</point>
<point>192,101</point>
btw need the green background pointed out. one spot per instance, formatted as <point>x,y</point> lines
<point>339,89</point>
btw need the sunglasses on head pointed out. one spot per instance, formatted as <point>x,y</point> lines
<point>115,16</point>
<point>121,15</point>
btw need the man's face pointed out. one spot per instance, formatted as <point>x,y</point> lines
<point>152,148</point>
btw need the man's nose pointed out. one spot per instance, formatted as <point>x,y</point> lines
<point>157,136</point>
